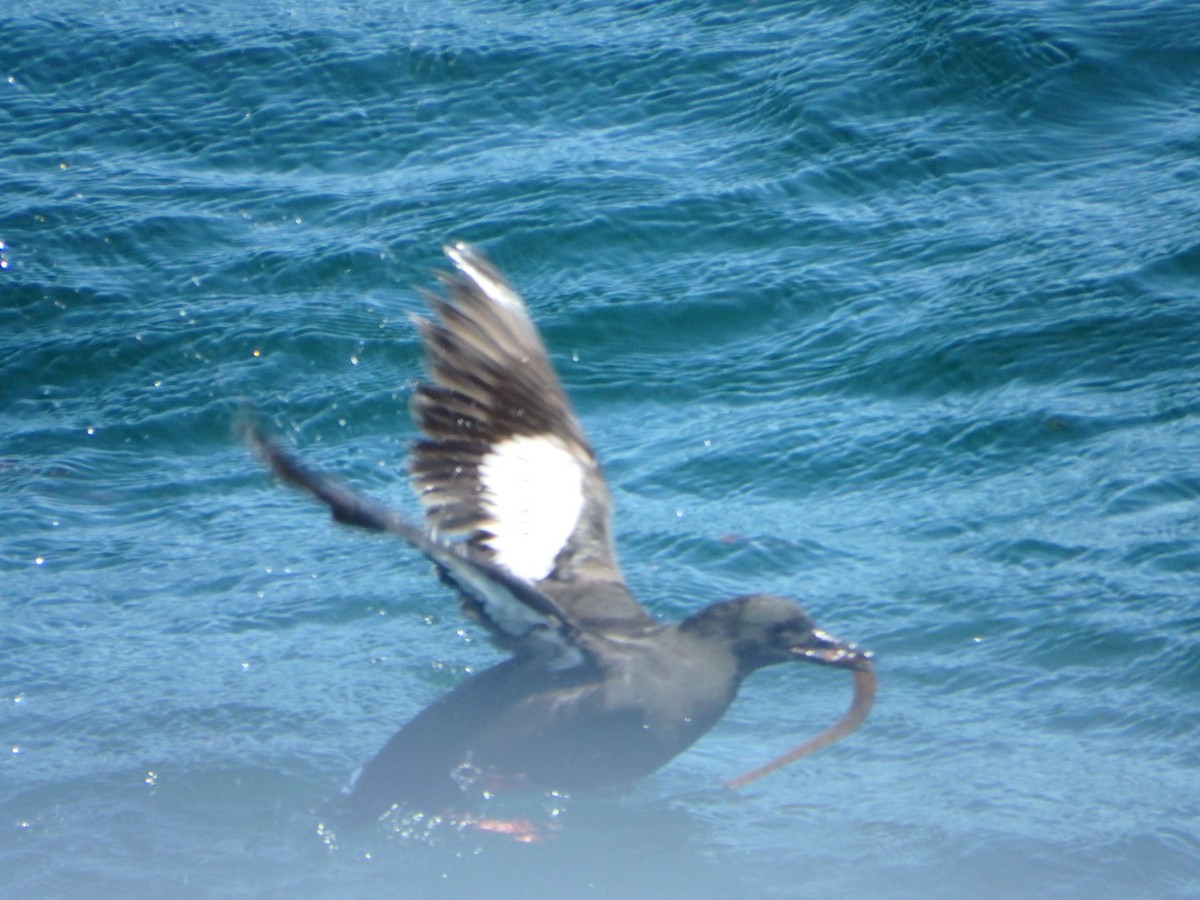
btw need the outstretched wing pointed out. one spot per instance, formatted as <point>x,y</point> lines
<point>504,460</point>
<point>518,616</point>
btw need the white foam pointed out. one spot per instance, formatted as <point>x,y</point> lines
<point>533,492</point>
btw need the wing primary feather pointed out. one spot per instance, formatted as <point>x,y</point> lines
<point>519,615</point>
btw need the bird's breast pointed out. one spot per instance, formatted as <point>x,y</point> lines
<point>672,687</point>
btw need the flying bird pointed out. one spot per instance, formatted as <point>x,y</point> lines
<point>517,521</point>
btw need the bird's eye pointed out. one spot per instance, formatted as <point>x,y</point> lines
<point>781,631</point>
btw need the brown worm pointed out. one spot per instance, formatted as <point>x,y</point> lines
<point>864,697</point>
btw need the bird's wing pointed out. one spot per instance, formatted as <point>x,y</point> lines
<point>517,615</point>
<point>504,461</point>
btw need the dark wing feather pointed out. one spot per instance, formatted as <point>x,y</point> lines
<point>504,461</point>
<point>518,616</point>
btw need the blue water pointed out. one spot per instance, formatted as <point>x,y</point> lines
<point>893,307</point>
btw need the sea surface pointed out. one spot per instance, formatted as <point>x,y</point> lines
<point>893,307</point>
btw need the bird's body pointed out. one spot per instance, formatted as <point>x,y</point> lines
<point>519,725</point>
<point>597,691</point>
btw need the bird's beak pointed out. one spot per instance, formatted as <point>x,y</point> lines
<point>822,647</point>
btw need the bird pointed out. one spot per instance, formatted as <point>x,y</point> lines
<point>517,521</point>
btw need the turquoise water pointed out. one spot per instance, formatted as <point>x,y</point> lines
<point>893,307</point>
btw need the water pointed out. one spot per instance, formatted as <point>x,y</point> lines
<point>889,306</point>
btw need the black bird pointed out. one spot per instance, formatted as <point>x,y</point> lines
<point>517,521</point>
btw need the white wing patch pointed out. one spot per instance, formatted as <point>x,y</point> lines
<point>533,493</point>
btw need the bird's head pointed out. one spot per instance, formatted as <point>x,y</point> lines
<point>763,629</point>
